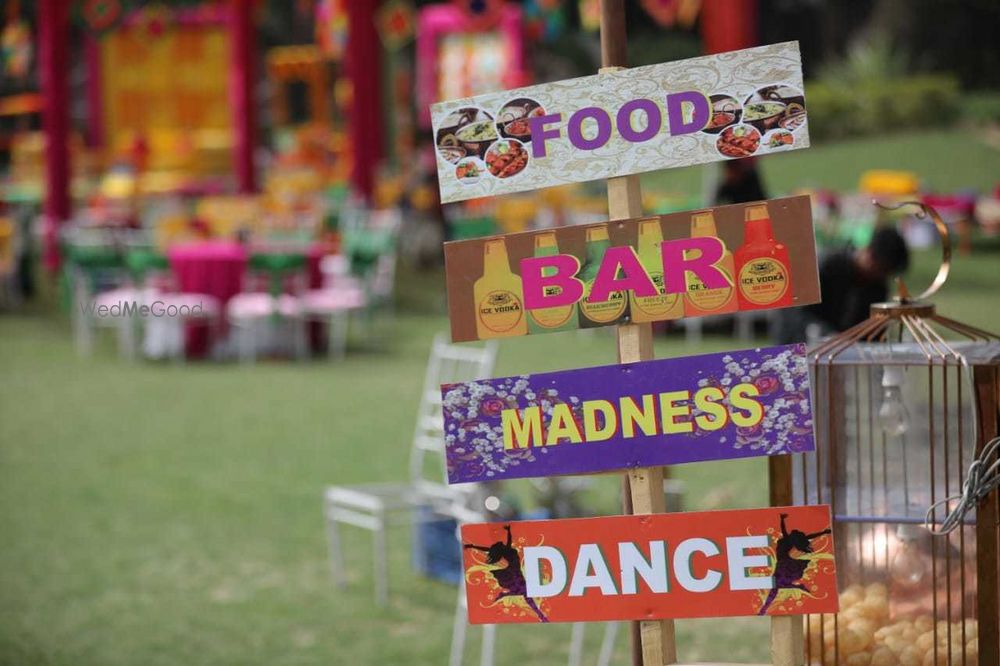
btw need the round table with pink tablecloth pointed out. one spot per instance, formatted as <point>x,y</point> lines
<point>216,268</point>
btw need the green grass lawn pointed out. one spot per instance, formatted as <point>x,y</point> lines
<point>153,514</point>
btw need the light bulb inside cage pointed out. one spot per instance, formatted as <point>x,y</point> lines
<point>893,415</point>
<point>910,565</point>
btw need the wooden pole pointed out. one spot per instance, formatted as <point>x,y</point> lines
<point>787,637</point>
<point>987,383</point>
<point>635,343</point>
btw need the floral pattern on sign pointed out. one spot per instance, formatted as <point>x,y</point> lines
<point>739,404</point>
<point>787,426</point>
<point>474,435</point>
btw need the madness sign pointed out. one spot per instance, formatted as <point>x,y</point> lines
<point>775,561</point>
<point>737,404</point>
<point>718,107</point>
<point>745,257</point>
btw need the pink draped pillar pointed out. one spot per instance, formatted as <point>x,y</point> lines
<point>241,98</point>
<point>53,45</point>
<point>728,25</point>
<point>364,68</point>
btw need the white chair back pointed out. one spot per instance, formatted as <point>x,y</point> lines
<point>448,364</point>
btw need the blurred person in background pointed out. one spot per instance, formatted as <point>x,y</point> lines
<point>850,281</point>
<point>740,183</point>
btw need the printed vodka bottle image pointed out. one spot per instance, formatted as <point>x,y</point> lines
<point>764,280</point>
<point>700,301</point>
<point>664,306</point>
<point>561,318</point>
<point>612,310</point>
<point>498,295</point>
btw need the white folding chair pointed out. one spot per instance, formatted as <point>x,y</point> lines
<point>376,506</point>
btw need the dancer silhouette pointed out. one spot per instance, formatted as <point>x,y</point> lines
<point>788,570</point>
<point>510,578</point>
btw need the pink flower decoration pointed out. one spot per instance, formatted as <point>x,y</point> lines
<point>492,407</point>
<point>766,384</point>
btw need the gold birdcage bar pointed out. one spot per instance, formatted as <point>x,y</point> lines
<point>904,402</point>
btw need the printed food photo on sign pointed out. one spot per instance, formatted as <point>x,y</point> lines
<point>738,141</point>
<point>691,264</point>
<point>513,120</point>
<point>775,107</point>
<point>779,139</point>
<point>470,170</point>
<point>506,158</point>
<point>725,112</point>
<point>744,562</point>
<point>466,132</point>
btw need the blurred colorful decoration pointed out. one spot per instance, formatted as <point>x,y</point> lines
<point>456,58</point>
<point>289,66</point>
<point>155,19</point>
<point>590,15</point>
<point>395,24</point>
<point>331,27</point>
<point>480,14</point>
<point>101,15</point>
<point>545,19</point>
<point>668,13</point>
<point>16,46</point>
<point>171,91</point>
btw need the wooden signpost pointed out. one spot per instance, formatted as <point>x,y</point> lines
<point>629,272</point>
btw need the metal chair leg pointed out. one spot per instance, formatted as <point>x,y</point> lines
<point>126,338</point>
<point>379,558</point>
<point>82,319</point>
<point>336,552</point>
<point>489,640</point>
<point>458,630</point>
<point>338,334</point>
<point>608,643</point>
<point>576,644</point>
<point>245,342</point>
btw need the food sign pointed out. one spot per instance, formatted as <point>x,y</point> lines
<point>737,404</point>
<point>716,261</point>
<point>776,561</point>
<point>706,109</point>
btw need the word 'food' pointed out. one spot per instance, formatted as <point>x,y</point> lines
<point>687,112</point>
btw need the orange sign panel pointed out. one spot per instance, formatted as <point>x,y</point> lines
<point>774,561</point>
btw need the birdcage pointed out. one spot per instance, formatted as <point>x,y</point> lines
<point>905,403</point>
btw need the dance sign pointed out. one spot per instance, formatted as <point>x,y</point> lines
<point>737,404</point>
<point>711,262</point>
<point>776,561</point>
<point>616,123</point>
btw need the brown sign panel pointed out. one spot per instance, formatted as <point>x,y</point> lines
<point>757,256</point>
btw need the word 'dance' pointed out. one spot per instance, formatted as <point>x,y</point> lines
<point>774,561</point>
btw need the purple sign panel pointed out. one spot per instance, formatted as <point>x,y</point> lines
<point>736,404</point>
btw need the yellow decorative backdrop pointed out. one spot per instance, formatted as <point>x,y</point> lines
<point>174,82</point>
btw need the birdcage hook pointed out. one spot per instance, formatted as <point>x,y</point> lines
<point>942,230</point>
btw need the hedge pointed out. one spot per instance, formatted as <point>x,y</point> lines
<point>906,103</point>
